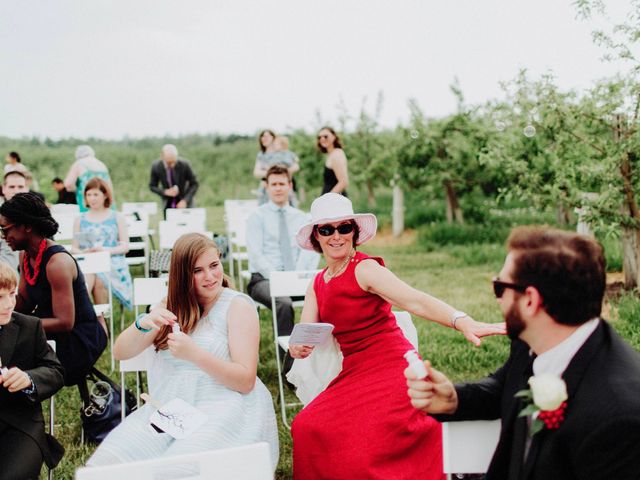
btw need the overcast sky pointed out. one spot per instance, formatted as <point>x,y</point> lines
<point>150,67</point>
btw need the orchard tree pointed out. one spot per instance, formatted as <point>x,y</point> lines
<point>443,155</point>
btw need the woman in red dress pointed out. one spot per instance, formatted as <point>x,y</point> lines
<point>363,426</point>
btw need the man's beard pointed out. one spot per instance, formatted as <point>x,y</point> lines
<point>515,325</point>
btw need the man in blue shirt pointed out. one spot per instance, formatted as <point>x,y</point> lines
<point>271,245</point>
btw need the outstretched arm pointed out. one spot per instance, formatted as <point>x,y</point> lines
<point>373,277</point>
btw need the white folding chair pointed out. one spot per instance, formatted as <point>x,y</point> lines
<point>169,232</point>
<point>286,284</point>
<point>151,208</point>
<point>248,462</point>
<point>93,263</point>
<point>138,229</point>
<point>197,216</point>
<point>467,447</point>
<point>52,410</point>
<point>143,210</point>
<point>65,209</point>
<point>236,213</point>
<point>138,364</point>
<point>65,226</point>
<point>146,291</point>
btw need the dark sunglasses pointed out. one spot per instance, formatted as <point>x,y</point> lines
<point>322,136</point>
<point>499,287</point>
<point>328,230</point>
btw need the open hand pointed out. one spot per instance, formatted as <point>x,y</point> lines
<point>474,331</point>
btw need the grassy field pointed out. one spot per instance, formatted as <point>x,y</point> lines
<point>458,274</point>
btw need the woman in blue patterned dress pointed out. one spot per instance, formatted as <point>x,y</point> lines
<point>210,364</point>
<point>100,229</point>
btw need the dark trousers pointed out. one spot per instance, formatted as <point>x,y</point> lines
<point>20,455</point>
<point>259,290</point>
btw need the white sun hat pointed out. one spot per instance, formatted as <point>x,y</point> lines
<point>333,207</point>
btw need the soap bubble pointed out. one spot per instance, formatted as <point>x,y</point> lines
<point>414,134</point>
<point>500,125</point>
<point>529,131</point>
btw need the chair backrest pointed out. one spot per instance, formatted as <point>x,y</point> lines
<point>291,283</point>
<point>65,225</point>
<point>249,462</point>
<point>169,232</point>
<point>467,447</point>
<point>137,228</point>
<point>65,209</point>
<point>95,262</point>
<point>408,328</point>
<point>147,291</point>
<point>198,216</point>
<point>151,208</point>
<point>236,213</point>
<point>139,363</point>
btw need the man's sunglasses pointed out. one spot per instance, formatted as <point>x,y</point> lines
<point>328,230</point>
<point>499,287</point>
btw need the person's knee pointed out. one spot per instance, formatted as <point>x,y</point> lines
<point>284,302</point>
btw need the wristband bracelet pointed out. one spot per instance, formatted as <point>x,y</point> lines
<point>455,316</point>
<point>140,327</point>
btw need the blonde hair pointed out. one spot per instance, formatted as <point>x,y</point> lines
<point>181,298</point>
<point>8,277</point>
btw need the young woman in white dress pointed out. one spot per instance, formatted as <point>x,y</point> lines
<point>211,363</point>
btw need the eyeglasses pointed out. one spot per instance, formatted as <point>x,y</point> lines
<point>5,229</point>
<point>322,136</point>
<point>328,230</point>
<point>499,287</point>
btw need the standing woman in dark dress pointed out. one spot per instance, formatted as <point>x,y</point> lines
<point>336,173</point>
<point>52,286</point>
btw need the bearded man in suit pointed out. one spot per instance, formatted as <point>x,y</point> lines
<point>550,291</point>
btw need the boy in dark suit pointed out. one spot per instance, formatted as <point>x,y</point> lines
<point>550,291</point>
<point>30,373</point>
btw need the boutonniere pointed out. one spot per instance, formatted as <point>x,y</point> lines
<point>546,398</point>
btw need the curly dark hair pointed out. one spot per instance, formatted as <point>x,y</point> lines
<point>28,209</point>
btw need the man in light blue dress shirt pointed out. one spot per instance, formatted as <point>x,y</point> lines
<point>269,251</point>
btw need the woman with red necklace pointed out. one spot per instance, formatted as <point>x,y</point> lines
<point>52,286</point>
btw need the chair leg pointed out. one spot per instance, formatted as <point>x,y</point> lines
<point>283,405</point>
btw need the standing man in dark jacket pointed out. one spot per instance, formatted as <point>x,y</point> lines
<point>583,419</point>
<point>173,179</point>
<point>30,373</point>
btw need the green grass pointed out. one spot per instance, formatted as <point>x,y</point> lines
<point>458,274</point>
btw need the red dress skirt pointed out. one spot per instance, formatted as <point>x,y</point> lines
<point>363,425</point>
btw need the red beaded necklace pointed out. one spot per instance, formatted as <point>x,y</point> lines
<point>31,279</point>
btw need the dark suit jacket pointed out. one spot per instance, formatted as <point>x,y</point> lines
<point>23,344</point>
<point>183,177</point>
<point>599,438</point>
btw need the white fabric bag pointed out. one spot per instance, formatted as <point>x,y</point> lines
<point>311,375</point>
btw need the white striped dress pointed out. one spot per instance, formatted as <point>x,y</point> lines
<point>234,418</point>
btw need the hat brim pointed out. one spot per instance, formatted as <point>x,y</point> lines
<point>367,226</point>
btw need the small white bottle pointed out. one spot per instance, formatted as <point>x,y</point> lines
<point>175,328</point>
<point>416,364</point>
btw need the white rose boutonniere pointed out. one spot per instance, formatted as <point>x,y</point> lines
<point>546,401</point>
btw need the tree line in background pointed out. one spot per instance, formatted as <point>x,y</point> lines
<point>538,147</point>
